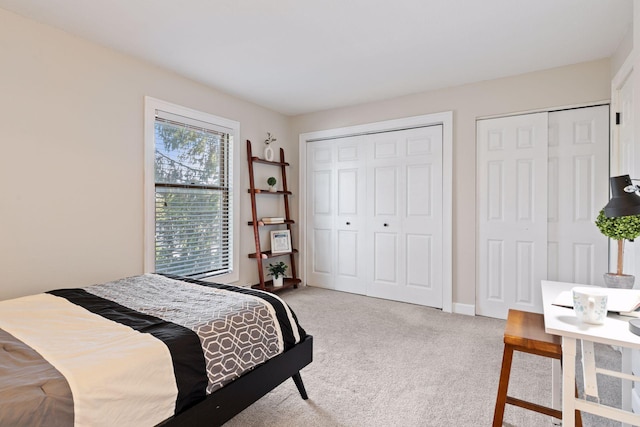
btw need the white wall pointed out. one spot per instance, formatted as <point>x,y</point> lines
<point>71,164</point>
<point>576,84</point>
<point>71,173</point>
<point>625,48</point>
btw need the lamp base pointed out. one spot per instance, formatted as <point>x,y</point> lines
<point>634,326</point>
<point>622,281</point>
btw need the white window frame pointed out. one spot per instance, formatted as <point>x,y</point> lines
<point>233,128</point>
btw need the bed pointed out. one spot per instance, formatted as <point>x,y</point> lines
<point>145,350</point>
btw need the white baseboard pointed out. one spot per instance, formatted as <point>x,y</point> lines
<point>467,309</point>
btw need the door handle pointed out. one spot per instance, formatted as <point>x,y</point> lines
<point>348,223</point>
<point>386,225</point>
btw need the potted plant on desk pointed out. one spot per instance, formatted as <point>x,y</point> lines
<point>277,272</point>
<point>619,228</point>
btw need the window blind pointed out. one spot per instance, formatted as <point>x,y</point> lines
<point>193,209</point>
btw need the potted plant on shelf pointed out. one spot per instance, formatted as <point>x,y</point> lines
<point>619,228</point>
<point>271,181</point>
<point>277,272</point>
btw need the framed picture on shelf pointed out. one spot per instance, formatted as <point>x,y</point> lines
<point>280,241</point>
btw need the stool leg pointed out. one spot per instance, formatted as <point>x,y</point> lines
<point>503,386</point>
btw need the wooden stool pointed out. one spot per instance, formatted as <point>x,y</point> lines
<point>525,332</point>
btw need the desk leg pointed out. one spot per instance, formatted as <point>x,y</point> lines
<point>568,381</point>
<point>556,388</point>
<point>627,385</point>
<point>589,370</point>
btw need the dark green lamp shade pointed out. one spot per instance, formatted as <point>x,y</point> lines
<point>622,203</point>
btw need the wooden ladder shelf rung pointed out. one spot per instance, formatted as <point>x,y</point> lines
<point>259,255</point>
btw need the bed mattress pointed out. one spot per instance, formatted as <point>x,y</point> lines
<point>134,351</point>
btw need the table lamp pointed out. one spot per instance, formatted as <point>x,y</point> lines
<point>624,201</point>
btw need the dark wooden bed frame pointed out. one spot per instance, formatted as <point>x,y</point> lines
<point>225,403</point>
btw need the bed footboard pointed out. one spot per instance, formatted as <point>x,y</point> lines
<point>230,400</point>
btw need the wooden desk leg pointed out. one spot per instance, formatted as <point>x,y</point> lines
<point>568,381</point>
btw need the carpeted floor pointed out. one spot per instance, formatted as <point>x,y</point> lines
<point>384,363</point>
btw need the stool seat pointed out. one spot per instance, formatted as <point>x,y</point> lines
<point>525,332</point>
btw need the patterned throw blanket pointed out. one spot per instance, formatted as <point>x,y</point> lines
<point>138,350</point>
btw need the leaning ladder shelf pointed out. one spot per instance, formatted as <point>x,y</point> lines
<point>260,255</point>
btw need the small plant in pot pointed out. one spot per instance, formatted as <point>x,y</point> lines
<point>277,272</point>
<point>619,228</point>
<point>271,181</point>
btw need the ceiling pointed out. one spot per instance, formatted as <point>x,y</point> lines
<point>300,56</point>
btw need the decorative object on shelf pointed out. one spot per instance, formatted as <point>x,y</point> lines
<point>271,181</point>
<point>268,151</point>
<point>272,220</point>
<point>277,272</point>
<point>619,220</point>
<point>280,241</point>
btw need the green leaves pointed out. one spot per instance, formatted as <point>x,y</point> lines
<point>277,270</point>
<point>619,228</point>
<point>187,155</point>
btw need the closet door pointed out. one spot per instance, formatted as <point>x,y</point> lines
<point>374,215</point>
<point>350,215</point>
<point>578,189</point>
<point>404,197</point>
<point>320,214</point>
<point>542,179</point>
<point>512,213</point>
<point>336,215</point>
<point>629,164</point>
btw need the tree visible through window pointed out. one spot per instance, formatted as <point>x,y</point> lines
<point>193,186</point>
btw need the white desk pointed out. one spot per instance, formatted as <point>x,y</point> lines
<point>563,322</point>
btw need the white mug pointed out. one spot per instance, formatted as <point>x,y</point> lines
<point>590,304</point>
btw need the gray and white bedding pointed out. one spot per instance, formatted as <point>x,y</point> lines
<point>132,352</point>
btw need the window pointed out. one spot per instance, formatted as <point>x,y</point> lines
<point>190,159</point>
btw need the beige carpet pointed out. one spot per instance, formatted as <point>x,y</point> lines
<point>384,363</point>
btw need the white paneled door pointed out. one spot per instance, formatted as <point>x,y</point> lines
<point>336,216</point>
<point>374,219</point>
<point>512,190</point>
<point>542,178</point>
<point>629,164</point>
<point>404,199</point>
<point>320,214</point>
<point>578,189</point>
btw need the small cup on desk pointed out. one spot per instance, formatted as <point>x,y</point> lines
<point>590,304</point>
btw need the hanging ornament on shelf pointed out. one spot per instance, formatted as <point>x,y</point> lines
<point>268,151</point>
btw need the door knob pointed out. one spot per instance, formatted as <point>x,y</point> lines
<point>386,225</point>
<point>348,223</point>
